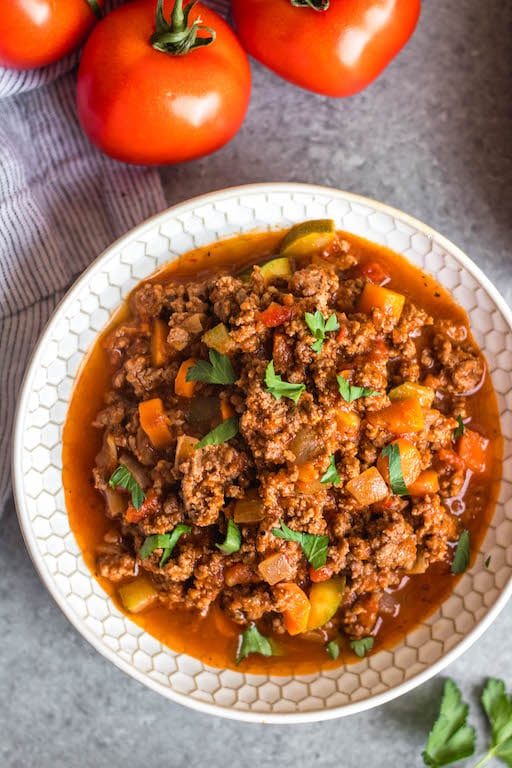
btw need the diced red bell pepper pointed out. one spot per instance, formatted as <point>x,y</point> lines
<point>276,315</point>
<point>373,272</point>
<point>320,574</point>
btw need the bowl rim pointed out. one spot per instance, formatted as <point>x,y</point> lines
<point>26,527</point>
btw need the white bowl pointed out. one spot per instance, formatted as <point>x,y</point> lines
<point>37,464</point>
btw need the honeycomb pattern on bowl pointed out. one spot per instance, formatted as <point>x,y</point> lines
<point>37,460</point>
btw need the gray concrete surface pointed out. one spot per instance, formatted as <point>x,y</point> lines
<point>432,137</point>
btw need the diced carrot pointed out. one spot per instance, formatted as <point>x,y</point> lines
<point>348,423</point>
<point>472,448</point>
<point>154,422</point>
<point>182,387</point>
<point>376,296</point>
<point>275,568</point>
<point>160,350</point>
<point>226,411</point>
<point>369,487</point>
<point>426,484</point>
<point>275,315</point>
<point>451,458</point>
<point>401,417</point>
<point>320,574</point>
<point>325,599</point>
<point>309,479</point>
<point>410,462</point>
<point>296,613</point>
<point>308,473</point>
<point>373,272</point>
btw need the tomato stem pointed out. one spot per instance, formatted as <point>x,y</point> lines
<point>95,8</point>
<point>316,5</point>
<point>177,37</point>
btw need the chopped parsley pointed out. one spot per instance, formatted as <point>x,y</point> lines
<point>460,560</point>
<point>333,649</point>
<point>279,388</point>
<point>218,371</point>
<point>396,479</point>
<point>233,539</point>
<point>251,641</point>
<point>319,327</point>
<point>220,434</point>
<point>123,478</point>
<point>350,393</point>
<point>313,546</point>
<point>164,541</point>
<point>363,646</point>
<point>488,562</point>
<point>450,739</point>
<point>460,429</point>
<point>331,475</point>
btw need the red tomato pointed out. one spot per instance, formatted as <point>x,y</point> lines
<point>336,52</point>
<point>34,33</point>
<point>141,105</point>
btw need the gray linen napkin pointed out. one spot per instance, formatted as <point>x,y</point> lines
<point>61,203</point>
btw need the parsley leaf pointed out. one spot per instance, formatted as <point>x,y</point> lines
<point>220,434</point>
<point>396,479</point>
<point>488,562</point>
<point>279,388</point>
<point>313,546</point>
<point>319,327</point>
<point>498,707</point>
<point>461,557</point>
<point>450,739</point>
<point>253,642</point>
<point>460,430</point>
<point>218,371</point>
<point>350,393</point>
<point>233,539</point>
<point>123,478</point>
<point>164,541</point>
<point>362,646</point>
<point>331,475</point>
<point>333,649</point>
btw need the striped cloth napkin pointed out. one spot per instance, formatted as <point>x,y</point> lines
<point>61,203</point>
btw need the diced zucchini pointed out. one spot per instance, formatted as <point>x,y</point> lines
<point>424,394</point>
<point>218,338</point>
<point>275,268</point>
<point>308,237</point>
<point>325,598</point>
<point>137,595</point>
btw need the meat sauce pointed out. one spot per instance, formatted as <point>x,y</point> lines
<point>214,638</point>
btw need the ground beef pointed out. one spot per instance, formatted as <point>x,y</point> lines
<point>209,478</point>
<point>273,469</point>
